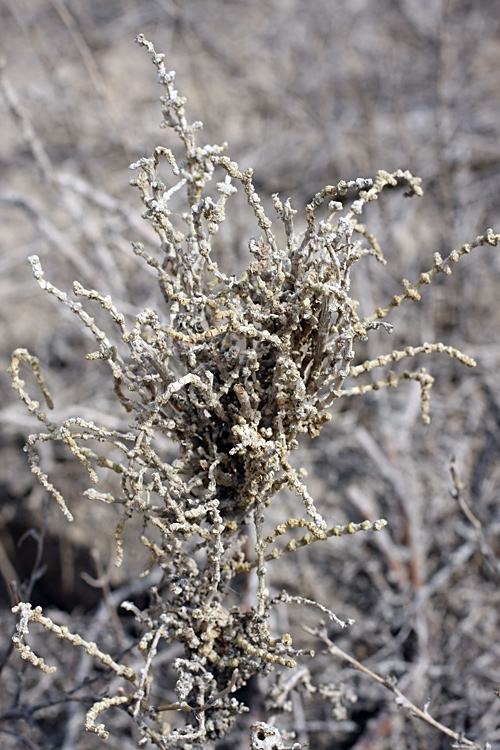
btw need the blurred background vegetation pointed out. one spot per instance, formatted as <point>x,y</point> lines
<point>306,93</point>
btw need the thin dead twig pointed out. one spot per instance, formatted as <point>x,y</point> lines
<point>390,683</point>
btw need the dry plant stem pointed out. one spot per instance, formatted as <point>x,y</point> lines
<point>458,493</point>
<point>21,116</point>
<point>92,68</point>
<point>398,482</point>
<point>308,539</point>
<point>390,683</point>
<point>410,291</point>
<point>27,614</point>
<point>102,582</point>
<point>63,188</point>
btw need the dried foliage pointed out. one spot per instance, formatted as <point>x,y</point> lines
<point>232,370</point>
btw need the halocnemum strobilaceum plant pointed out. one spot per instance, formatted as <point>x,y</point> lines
<point>232,369</point>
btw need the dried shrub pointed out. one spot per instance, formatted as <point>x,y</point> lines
<point>232,370</point>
